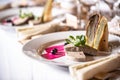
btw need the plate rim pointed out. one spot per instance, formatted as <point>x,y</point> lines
<point>45,35</point>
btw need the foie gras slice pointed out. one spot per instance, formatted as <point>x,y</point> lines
<point>74,53</point>
<point>76,56</point>
<point>20,21</point>
<point>87,50</point>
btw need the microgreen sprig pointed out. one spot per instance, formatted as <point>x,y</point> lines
<point>24,15</point>
<point>76,41</point>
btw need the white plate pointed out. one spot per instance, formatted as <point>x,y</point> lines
<point>31,47</point>
<point>57,13</point>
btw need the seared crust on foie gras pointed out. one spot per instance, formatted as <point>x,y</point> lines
<point>85,49</point>
<point>101,37</point>
<point>47,13</point>
<point>91,29</point>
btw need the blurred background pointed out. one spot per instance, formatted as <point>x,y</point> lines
<point>81,9</point>
<point>109,8</point>
<point>75,15</point>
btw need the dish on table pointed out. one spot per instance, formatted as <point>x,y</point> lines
<point>31,48</point>
<point>7,15</point>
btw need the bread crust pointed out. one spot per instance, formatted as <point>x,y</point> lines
<point>101,37</point>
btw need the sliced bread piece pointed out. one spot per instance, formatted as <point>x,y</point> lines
<point>92,28</point>
<point>101,36</point>
<point>47,13</point>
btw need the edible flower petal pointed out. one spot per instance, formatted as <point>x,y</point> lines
<point>49,55</point>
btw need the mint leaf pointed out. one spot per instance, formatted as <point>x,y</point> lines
<point>79,40</point>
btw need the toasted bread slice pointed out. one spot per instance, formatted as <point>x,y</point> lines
<point>91,29</point>
<point>47,13</point>
<point>101,36</point>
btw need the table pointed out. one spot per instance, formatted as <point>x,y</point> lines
<point>15,65</point>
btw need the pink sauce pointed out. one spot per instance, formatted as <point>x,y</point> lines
<point>48,52</point>
<point>12,20</point>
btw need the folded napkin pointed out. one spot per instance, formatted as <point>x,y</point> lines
<point>27,33</point>
<point>113,75</point>
<point>85,71</point>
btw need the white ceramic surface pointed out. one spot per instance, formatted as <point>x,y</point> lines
<point>31,47</point>
<point>15,65</point>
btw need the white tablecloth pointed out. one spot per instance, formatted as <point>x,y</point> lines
<point>15,65</point>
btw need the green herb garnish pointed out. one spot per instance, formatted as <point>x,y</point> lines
<point>24,15</point>
<point>36,17</point>
<point>76,41</point>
